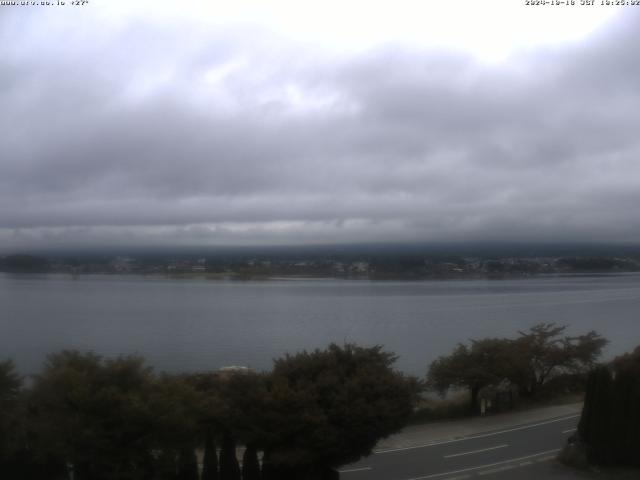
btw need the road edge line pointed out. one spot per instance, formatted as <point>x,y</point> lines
<point>503,462</point>
<point>473,437</point>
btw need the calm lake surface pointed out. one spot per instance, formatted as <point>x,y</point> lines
<point>197,324</point>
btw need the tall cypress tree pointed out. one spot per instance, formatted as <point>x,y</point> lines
<point>187,464</point>
<point>625,419</point>
<point>210,460</point>
<point>586,418</point>
<point>229,468</point>
<point>610,421</point>
<point>166,466</point>
<point>250,464</point>
<point>634,425</point>
<point>267,468</point>
<point>600,421</point>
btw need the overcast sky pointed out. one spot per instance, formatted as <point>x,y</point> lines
<point>225,123</point>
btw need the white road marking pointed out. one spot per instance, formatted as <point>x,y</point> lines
<point>473,437</point>
<point>497,470</point>
<point>489,465</point>
<point>361,469</point>
<point>476,451</point>
<point>569,430</point>
<point>545,459</point>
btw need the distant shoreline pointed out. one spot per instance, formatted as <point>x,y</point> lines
<point>267,278</point>
<point>385,267</point>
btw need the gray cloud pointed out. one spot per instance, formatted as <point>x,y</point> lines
<point>148,133</point>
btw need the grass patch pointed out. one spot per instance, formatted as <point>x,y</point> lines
<point>431,409</point>
<point>454,406</point>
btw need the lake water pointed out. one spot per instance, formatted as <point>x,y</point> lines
<point>198,324</point>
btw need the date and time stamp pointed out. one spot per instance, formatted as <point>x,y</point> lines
<point>44,3</point>
<point>556,3</point>
<point>582,3</point>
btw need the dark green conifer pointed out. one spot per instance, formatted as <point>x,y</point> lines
<point>621,416</point>
<point>600,418</point>
<point>267,469</point>
<point>166,466</point>
<point>626,409</point>
<point>210,460</point>
<point>229,468</point>
<point>250,464</point>
<point>187,464</point>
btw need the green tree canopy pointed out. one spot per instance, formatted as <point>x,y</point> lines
<point>330,407</point>
<point>610,421</point>
<point>10,381</point>
<point>95,414</point>
<point>629,363</point>
<point>10,385</point>
<point>528,361</point>
<point>483,362</point>
<point>542,352</point>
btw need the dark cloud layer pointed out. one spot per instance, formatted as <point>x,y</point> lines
<point>152,134</point>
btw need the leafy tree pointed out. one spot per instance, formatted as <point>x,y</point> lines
<point>483,362</point>
<point>176,408</point>
<point>10,381</point>
<point>242,402</point>
<point>330,407</point>
<point>10,414</point>
<point>542,353</point>
<point>95,414</point>
<point>10,385</point>
<point>529,361</point>
<point>231,402</point>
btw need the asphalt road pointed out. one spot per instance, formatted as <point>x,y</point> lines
<point>513,452</point>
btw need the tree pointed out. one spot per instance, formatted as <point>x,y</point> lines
<point>10,381</point>
<point>484,362</point>
<point>528,362</point>
<point>232,403</point>
<point>166,465</point>
<point>624,440</point>
<point>210,460</point>
<point>330,407</point>
<point>610,421</point>
<point>176,408</point>
<point>187,464</point>
<point>10,419</point>
<point>541,353</point>
<point>95,414</point>
<point>250,464</point>
<point>241,403</point>
<point>229,468</point>
<point>17,456</point>
<point>627,407</point>
<point>595,421</point>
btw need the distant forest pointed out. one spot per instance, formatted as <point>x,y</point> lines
<point>368,262</point>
